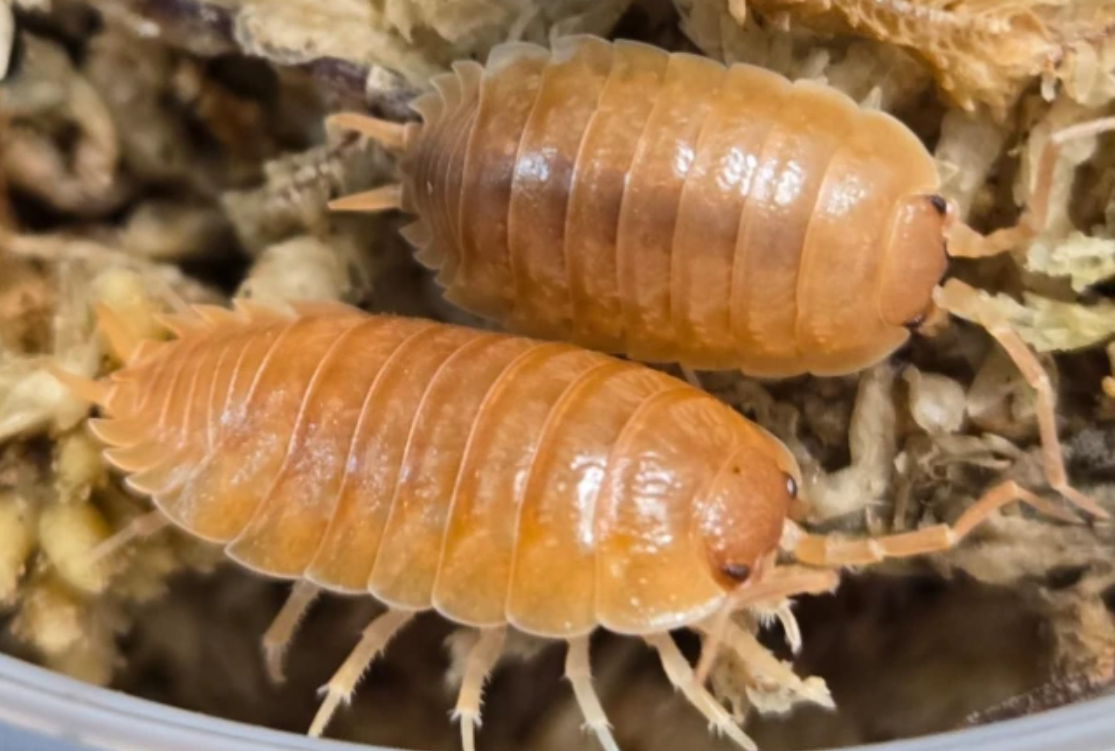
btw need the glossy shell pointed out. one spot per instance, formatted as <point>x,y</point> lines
<point>671,209</point>
<point>497,479</point>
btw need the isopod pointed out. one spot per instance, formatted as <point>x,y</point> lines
<point>672,209</point>
<point>501,481</point>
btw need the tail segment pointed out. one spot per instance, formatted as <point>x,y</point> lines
<point>123,343</point>
<point>121,340</point>
<point>96,392</point>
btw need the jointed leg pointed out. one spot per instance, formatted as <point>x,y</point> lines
<point>966,242</point>
<point>481,659</point>
<point>999,496</point>
<point>282,629</point>
<point>384,198</point>
<point>681,676</point>
<point>579,673</point>
<point>392,136</point>
<point>340,687</point>
<point>778,584</point>
<point>826,550</point>
<point>691,377</point>
<point>784,614</point>
<point>141,527</point>
<point>1052,457</point>
<point>762,664</point>
<point>968,303</point>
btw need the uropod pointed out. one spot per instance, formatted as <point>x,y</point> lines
<point>501,481</point>
<point>671,209</point>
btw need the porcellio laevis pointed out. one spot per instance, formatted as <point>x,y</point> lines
<point>672,209</point>
<point>499,480</point>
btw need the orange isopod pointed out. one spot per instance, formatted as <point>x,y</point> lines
<point>672,209</point>
<point>499,480</point>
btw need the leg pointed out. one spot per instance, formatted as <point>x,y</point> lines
<point>480,662</point>
<point>282,629</point>
<point>968,303</point>
<point>392,136</point>
<point>784,614</point>
<point>579,673</point>
<point>824,550</point>
<point>343,683</point>
<point>385,198</point>
<point>778,584</point>
<point>691,376</point>
<point>681,676</point>
<point>137,529</point>
<point>966,242</point>
<point>765,666</point>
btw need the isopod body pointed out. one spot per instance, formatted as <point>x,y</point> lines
<point>499,480</point>
<point>670,208</point>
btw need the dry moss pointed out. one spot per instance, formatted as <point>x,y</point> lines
<point>980,52</point>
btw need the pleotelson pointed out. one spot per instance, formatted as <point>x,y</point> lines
<point>495,478</point>
<point>663,206</point>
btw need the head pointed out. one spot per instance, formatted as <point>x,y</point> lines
<point>915,260</point>
<point>741,514</point>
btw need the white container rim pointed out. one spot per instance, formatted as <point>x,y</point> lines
<point>56,707</point>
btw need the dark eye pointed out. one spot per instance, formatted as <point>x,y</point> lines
<point>939,203</point>
<point>791,486</point>
<point>736,571</point>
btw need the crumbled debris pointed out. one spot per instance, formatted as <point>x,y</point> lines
<point>980,53</point>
